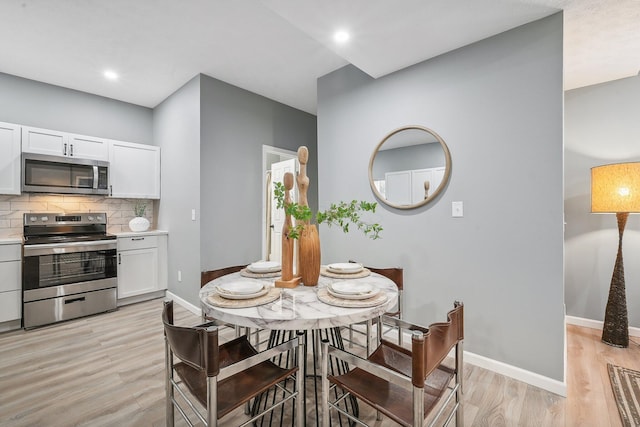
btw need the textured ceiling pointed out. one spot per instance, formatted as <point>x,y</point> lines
<point>278,48</point>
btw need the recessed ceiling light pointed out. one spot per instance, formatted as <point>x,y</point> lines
<point>111,75</point>
<point>341,36</point>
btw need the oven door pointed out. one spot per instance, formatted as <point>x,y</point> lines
<point>54,270</point>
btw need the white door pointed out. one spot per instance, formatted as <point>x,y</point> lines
<point>277,215</point>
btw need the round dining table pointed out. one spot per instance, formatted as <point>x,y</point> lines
<point>300,308</point>
<point>303,308</point>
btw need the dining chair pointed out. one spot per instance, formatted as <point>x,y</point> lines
<point>407,385</point>
<point>223,378</point>
<point>395,274</point>
<point>209,275</point>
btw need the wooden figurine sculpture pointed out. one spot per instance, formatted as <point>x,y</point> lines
<point>287,280</point>
<point>309,242</point>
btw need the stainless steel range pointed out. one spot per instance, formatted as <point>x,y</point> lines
<point>69,267</point>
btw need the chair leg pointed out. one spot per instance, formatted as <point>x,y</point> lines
<point>324,381</point>
<point>459,380</point>
<point>418,406</point>
<point>168,357</point>
<point>212,401</point>
<point>299,402</point>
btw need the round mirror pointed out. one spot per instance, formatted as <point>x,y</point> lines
<point>409,167</point>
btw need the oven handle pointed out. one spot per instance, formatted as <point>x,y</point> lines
<point>64,248</point>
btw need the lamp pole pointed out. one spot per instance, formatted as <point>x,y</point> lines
<point>615,331</point>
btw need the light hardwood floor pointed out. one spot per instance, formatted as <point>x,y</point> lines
<point>107,370</point>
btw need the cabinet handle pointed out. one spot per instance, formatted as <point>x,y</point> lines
<point>119,259</point>
<point>137,238</point>
<point>71,150</point>
<point>72,300</point>
<point>64,149</point>
<point>110,190</point>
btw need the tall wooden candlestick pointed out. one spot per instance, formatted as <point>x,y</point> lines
<point>287,280</point>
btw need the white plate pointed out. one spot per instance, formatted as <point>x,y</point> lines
<point>243,296</point>
<point>365,295</point>
<point>241,287</point>
<point>264,267</point>
<point>345,267</point>
<point>351,288</point>
<point>226,295</point>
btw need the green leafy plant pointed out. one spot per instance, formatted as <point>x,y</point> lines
<point>342,214</point>
<point>139,209</point>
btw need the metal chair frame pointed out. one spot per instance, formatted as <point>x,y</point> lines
<point>174,383</point>
<point>413,381</point>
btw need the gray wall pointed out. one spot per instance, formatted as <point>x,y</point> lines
<point>498,106</point>
<point>32,103</point>
<point>211,134</point>
<point>235,125</point>
<point>602,126</point>
<point>177,132</point>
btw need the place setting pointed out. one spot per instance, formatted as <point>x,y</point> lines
<point>262,270</point>
<point>345,270</point>
<point>242,294</point>
<point>350,293</point>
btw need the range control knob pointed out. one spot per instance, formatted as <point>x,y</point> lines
<point>33,218</point>
<point>90,218</point>
<point>44,219</point>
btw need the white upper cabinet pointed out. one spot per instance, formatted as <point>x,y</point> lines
<point>134,170</point>
<point>9,158</point>
<point>45,141</point>
<point>88,147</point>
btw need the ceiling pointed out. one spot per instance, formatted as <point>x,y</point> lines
<point>278,48</point>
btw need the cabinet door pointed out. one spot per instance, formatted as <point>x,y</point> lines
<point>44,141</point>
<point>134,170</point>
<point>9,158</point>
<point>88,147</point>
<point>137,272</point>
<point>10,283</point>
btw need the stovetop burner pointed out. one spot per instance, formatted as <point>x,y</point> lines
<point>49,228</point>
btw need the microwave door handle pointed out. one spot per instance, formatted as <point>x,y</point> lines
<point>95,177</point>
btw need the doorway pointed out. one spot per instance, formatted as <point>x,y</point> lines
<point>275,162</point>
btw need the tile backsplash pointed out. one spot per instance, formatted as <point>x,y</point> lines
<point>119,211</point>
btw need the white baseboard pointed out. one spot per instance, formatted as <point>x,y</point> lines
<point>184,303</point>
<point>596,324</point>
<point>537,380</point>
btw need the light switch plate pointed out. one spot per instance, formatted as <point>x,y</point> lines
<point>193,214</point>
<point>456,209</point>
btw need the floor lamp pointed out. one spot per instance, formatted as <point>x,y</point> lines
<point>616,189</point>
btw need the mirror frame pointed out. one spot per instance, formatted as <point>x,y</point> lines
<point>436,192</point>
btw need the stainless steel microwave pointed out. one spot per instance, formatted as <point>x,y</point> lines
<point>42,173</point>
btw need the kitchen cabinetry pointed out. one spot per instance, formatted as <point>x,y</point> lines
<point>10,282</point>
<point>142,264</point>
<point>9,158</point>
<point>134,170</point>
<point>45,141</point>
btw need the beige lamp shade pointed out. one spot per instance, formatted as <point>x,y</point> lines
<point>615,188</point>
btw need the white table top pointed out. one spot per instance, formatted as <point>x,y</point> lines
<point>298,308</point>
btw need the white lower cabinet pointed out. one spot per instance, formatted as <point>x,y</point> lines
<point>10,282</point>
<point>9,158</point>
<point>141,264</point>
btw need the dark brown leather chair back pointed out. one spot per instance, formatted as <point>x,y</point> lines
<point>196,347</point>
<point>207,276</point>
<point>395,273</point>
<point>436,343</point>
